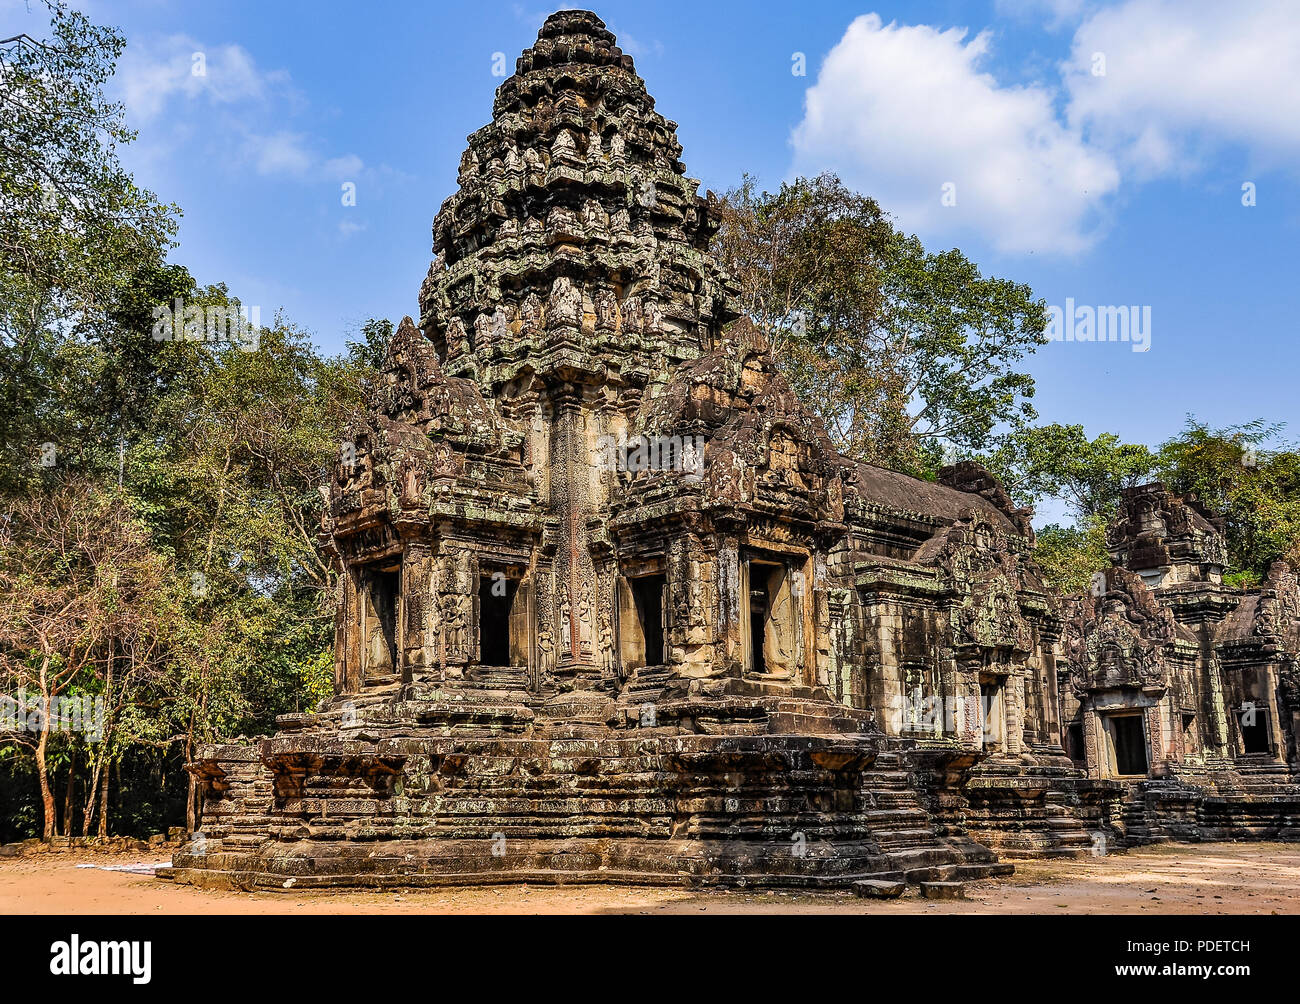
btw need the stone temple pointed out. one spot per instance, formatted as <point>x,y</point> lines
<point>612,608</point>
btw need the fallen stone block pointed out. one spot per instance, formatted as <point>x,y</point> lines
<point>878,889</point>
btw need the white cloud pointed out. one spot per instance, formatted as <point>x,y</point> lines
<point>1053,14</point>
<point>1188,75</point>
<point>901,111</point>
<point>344,168</point>
<point>279,153</point>
<point>150,74</point>
<point>178,90</point>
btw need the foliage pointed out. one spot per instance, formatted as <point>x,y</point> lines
<point>1071,555</point>
<point>1060,462</point>
<point>904,353</point>
<point>1255,489</point>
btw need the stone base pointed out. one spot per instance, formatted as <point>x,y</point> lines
<point>637,806</point>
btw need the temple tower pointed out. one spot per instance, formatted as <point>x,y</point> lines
<point>571,270</point>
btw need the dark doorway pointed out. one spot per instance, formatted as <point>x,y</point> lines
<point>1254,736</point>
<point>760,605</point>
<point>1074,742</point>
<point>648,594</point>
<point>384,590</point>
<point>496,596</point>
<point>1130,744</point>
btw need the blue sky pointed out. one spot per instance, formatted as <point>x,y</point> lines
<point>1119,188</point>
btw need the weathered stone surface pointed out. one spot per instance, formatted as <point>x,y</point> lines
<point>943,890</point>
<point>613,609</point>
<point>878,889</point>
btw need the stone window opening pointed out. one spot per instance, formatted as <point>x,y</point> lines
<point>1126,739</point>
<point>1254,730</point>
<point>382,594</point>
<point>642,629</point>
<point>502,621</point>
<point>769,648</point>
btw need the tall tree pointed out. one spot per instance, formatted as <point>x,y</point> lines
<point>906,354</point>
<point>81,591</point>
<point>1248,475</point>
<point>74,227</point>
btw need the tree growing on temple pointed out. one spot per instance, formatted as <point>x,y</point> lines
<point>1248,475</point>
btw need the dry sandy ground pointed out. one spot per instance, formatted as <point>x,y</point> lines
<point>1202,879</point>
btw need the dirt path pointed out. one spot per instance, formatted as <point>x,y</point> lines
<point>1201,879</point>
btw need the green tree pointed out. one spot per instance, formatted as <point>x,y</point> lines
<point>1254,488</point>
<point>75,231</point>
<point>1060,462</point>
<point>1071,555</point>
<point>903,352</point>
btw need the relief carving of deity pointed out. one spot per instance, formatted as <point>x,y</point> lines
<point>606,309</point>
<point>563,149</point>
<point>531,314</point>
<point>468,167</point>
<point>566,303</point>
<point>500,323</point>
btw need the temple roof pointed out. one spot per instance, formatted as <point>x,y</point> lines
<point>575,243</point>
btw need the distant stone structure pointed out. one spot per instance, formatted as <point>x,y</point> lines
<point>1182,687</point>
<point>612,608</point>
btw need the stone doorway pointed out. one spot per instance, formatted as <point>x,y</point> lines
<point>502,622</point>
<point>642,629</point>
<point>382,590</point>
<point>1254,730</point>
<point>1126,744</point>
<point>770,624</point>
<point>993,713</point>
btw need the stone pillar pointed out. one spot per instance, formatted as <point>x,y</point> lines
<point>570,501</point>
<point>417,651</point>
<point>347,636</point>
<point>729,605</point>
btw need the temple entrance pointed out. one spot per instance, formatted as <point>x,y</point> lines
<point>1127,742</point>
<point>993,716</point>
<point>1254,730</point>
<point>502,621</point>
<point>641,627</point>
<point>770,628</point>
<point>382,589</point>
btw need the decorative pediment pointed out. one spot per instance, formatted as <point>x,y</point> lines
<point>1155,528</point>
<point>1277,613</point>
<point>984,571</point>
<point>1120,637</point>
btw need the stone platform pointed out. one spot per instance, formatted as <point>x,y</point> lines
<point>385,802</point>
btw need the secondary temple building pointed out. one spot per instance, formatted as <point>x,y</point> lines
<point>612,607</point>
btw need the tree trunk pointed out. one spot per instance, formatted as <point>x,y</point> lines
<point>69,804</point>
<point>103,800</point>
<point>43,776</point>
<point>192,792</point>
<point>92,795</point>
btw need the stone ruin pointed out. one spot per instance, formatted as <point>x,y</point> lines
<point>613,609</point>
